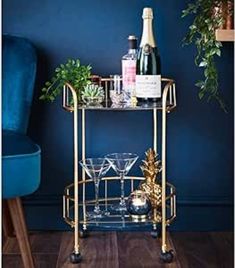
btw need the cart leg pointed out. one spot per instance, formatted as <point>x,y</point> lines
<point>155,130</point>
<point>83,171</point>
<point>75,256</point>
<point>166,255</point>
<point>83,233</point>
<point>156,230</point>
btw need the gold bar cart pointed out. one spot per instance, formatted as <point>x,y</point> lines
<point>74,209</point>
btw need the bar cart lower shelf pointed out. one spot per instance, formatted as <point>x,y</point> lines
<point>77,202</point>
<point>117,221</point>
<point>113,220</point>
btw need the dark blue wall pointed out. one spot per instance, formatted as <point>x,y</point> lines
<point>200,135</point>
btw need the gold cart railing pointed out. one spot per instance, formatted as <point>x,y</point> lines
<point>106,201</point>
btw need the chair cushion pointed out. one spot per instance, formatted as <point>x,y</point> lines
<point>21,161</point>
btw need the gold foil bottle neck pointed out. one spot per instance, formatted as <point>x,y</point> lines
<point>147,35</point>
<point>147,13</point>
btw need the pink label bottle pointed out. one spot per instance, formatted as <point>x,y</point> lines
<point>129,69</point>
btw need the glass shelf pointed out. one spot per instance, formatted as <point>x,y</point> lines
<point>114,220</point>
<point>109,106</point>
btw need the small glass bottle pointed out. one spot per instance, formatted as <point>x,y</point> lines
<point>129,69</point>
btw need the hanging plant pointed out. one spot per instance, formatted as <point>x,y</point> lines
<point>208,16</point>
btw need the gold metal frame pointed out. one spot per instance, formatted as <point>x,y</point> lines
<point>71,201</point>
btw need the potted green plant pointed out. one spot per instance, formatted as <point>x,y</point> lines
<point>92,95</point>
<point>71,72</point>
<point>208,16</point>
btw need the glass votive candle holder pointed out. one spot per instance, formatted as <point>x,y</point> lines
<point>116,92</point>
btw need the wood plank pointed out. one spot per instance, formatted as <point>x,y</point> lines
<point>11,246</point>
<point>66,248</point>
<point>41,242</point>
<point>224,35</point>
<point>195,249</point>
<point>46,242</point>
<point>41,261</point>
<point>124,250</point>
<point>46,260</point>
<point>13,261</point>
<point>139,249</point>
<point>224,248</point>
<point>98,251</point>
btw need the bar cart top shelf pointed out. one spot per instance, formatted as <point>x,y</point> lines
<point>107,105</point>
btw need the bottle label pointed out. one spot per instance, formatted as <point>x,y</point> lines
<point>128,73</point>
<point>148,86</point>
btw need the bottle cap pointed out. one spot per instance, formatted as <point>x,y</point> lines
<point>132,40</point>
<point>147,13</point>
<point>132,37</point>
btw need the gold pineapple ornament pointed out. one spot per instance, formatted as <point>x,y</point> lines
<point>151,168</point>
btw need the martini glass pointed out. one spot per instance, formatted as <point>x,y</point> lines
<point>96,168</point>
<point>121,163</point>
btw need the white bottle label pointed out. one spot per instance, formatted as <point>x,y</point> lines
<point>148,86</point>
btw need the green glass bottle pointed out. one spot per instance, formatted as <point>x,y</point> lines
<point>148,69</point>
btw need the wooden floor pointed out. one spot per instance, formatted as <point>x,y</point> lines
<point>125,250</point>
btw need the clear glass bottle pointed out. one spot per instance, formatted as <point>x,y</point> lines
<point>129,69</point>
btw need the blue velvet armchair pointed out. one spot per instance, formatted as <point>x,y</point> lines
<point>20,156</point>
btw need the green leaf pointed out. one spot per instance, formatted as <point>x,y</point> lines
<point>218,52</point>
<point>200,84</point>
<point>202,64</point>
<point>201,94</point>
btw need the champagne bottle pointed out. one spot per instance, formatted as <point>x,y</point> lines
<point>148,69</point>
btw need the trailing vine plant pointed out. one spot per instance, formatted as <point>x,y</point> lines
<point>207,17</point>
<point>71,72</point>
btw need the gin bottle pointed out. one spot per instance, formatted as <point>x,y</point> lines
<point>129,69</point>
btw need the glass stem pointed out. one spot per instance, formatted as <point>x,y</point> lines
<point>97,207</point>
<point>122,201</point>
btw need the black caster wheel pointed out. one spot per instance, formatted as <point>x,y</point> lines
<point>75,257</point>
<point>167,256</point>
<point>156,233</point>
<point>83,234</point>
